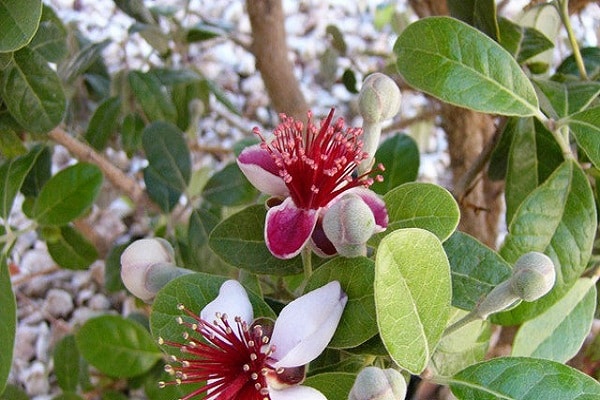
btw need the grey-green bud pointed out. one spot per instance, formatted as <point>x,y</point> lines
<point>379,98</point>
<point>348,224</point>
<point>374,383</point>
<point>533,276</point>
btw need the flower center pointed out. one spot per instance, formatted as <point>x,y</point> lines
<point>317,164</point>
<point>231,360</point>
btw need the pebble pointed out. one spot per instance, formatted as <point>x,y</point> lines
<point>58,303</point>
<point>35,379</point>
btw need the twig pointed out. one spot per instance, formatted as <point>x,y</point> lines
<point>83,152</point>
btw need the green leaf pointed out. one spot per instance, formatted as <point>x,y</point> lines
<point>461,348</point>
<point>412,296</point>
<point>66,363</point>
<point>476,269</point>
<point>153,35</point>
<point>334,385</point>
<point>399,155</point>
<point>534,155</point>
<point>71,249</point>
<point>521,378</point>
<point>480,14</point>
<point>152,96</point>
<point>68,396</point>
<point>10,144</point>
<point>13,392</point>
<point>450,60</point>
<point>103,123</point>
<point>112,270</point>
<point>559,219</point>
<point>356,276</point>
<point>585,126</point>
<point>67,195</point>
<point>40,173</point>
<point>135,9</point>
<point>558,333</point>
<point>33,92</point>
<point>229,187</point>
<point>202,32</point>
<point>591,62</point>
<point>50,39</point>
<point>561,99</point>
<point>8,327</point>
<point>82,61</point>
<point>169,163</point>
<point>20,20</point>
<point>131,132</point>
<point>12,175</point>
<point>239,241</point>
<point>406,208</point>
<point>522,42</point>
<point>117,346</point>
<point>202,257</point>
<point>194,291</point>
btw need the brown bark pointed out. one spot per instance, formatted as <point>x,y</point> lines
<point>272,60</point>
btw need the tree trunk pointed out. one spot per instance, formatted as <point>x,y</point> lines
<point>271,52</point>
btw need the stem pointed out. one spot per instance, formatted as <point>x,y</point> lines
<point>306,263</point>
<point>467,319</point>
<point>562,6</point>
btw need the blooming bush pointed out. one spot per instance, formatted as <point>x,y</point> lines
<point>312,264</point>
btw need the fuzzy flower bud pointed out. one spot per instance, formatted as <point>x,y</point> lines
<point>379,100</point>
<point>374,383</point>
<point>147,265</point>
<point>533,276</point>
<point>348,224</point>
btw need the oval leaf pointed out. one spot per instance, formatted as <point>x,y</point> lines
<point>334,385</point>
<point>406,208</point>
<point>67,195</point>
<point>229,187</point>
<point>356,276</point>
<point>476,269</point>
<point>117,346</point>
<point>585,126</point>
<point>70,249</point>
<point>399,155</point>
<point>33,92</point>
<point>520,378</point>
<point>239,241</point>
<point>103,123</point>
<point>20,20</point>
<point>412,296</point>
<point>66,363</point>
<point>558,333</point>
<point>8,316</point>
<point>155,102</point>
<point>455,62</point>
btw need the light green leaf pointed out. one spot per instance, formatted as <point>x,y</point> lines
<point>520,378</point>
<point>455,62</point>
<point>66,363</point>
<point>194,291</point>
<point>20,20</point>
<point>558,333</point>
<point>169,163</point>
<point>585,126</point>
<point>399,155</point>
<point>521,41</point>
<point>412,296</point>
<point>356,276</point>
<point>476,269</point>
<point>559,219</point>
<point>70,249</point>
<point>67,195</point>
<point>117,346</point>
<point>33,92</point>
<point>561,99</point>
<point>334,385</point>
<point>239,241</point>
<point>406,208</point>
<point>462,347</point>
<point>8,327</point>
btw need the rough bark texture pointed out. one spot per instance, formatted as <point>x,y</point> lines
<point>271,52</point>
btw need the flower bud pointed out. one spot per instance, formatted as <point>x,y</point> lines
<point>379,98</point>
<point>533,276</point>
<point>374,383</point>
<point>147,265</point>
<point>501,298</point>
<point>348,224</point>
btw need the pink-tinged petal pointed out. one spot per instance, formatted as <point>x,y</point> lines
<point>296,392</point>
<point>260,169</point>
<point>232,300</point>
<point>288,229</point>
<point>306,325</point>
<point>376,204</point>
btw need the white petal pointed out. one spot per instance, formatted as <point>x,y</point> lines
<point>232,300</point>
<point>296,393</point>
<point>307,324</point>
